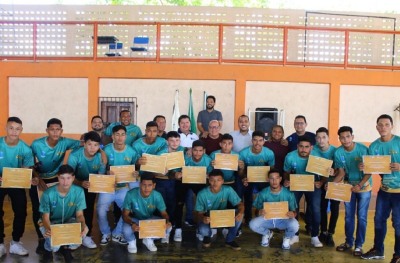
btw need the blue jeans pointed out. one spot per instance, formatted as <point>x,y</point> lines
<point>386,203</point>
<point>361,201</point>
<point>103,205</point>
<point>130,235</point>
<point>205,230</point>
<point>313,200</point>
<point>263,226</point>
<point>166,188</point>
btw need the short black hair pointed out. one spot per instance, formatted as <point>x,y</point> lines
<point>322,129</point>
<point>183,117</point>
<point>274,170</point>
<point>198,143</point>
<point>173,134</point>
<point>211,97</point>
<point>227,136</point>
<point>216,172</point>
<point>93,136</point>
<point>301,117</point>
<point>158,116</point>
<point>258,134</point>
<point>150,176</point>
<point>151,124</point>
<point>243,116</point>
<point>345,129</point>
<point>304,138</point>
<point>97,117</point>
<point>117,128</point>
<point>65,169</point>
<point>54,121</point>
<point>385,116</point>
<point>120,113</point>
<point>14,119</point>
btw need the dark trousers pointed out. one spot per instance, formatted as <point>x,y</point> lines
<point>334,207</point>
<point>249,190</point>
<point>18,204</point>
<point>181,190</point>
<point>89,211</point>
<point>166,187</point>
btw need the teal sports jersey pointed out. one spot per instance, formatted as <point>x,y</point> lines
<point>204,161</point>
<point>126,157</point>
<point>52,158</point>
<point>141,147</point>
<point>295,164</point>
<point>391,148</point>
<point>143,208</point>
<point>265,158</point>
<point>229,175</point>
<point>328,154</point>
<point>207,200</point>
<point>17,156</point>
<point>133,132</point>
<point>267,196</point>
<point>83,166</point>
<point>349,161</point>
<point>62,208</point>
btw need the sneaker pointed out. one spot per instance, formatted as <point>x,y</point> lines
<point>47,256</point>
<point>315,242</point>
<point>199,237</point>
<point>73,246</point>
<point>178,235</point>
<point>105,239</point>
<point>165,240</point>
<point>322,237</point>
<point>88,242</point>
<point>357,252</point>
<point>119,239</point>
<point>214,232</point>
<point>294,239</point>
<point>343,247</point>
<point>239,233</point>
<point>149,243</point>
<point>132,247</point>
<point>66,253</point>
<point>206,242</point>
<point>40,247</point>
<point>232,245</point>
<point>225,232</point>
<point>329,240</point>
<point>286,243</point>
<point>372,254</point>
<point>189,223</point>
<point>266,238</point>
<point>2,250</point>
<point>395,259</point>
<point>18,249</point>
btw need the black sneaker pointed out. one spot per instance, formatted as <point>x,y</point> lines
<point>232,245</point>
<point>206,241</point>
<point>40,247</point>
<point>322,237</point>
<point>372,254</point>
<point>47,256</point>
<point>66,254</point>
<point>395,259</point>
<point>329,240</point>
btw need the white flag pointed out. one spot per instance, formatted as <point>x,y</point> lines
<point>175,112</point>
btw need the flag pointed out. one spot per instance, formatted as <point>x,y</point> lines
<point>205,100</point>
<point>175,113</point>
<point>193,127</point>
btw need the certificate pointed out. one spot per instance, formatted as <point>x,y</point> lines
<point>257,174</point>
<point>194,175</point>
<point>174,160</point>
<point>16,178</point>
<point>154,163</point>
<point>276,210</point>
<point>222,218</point>
<point>319,165</point>
<point>226,161</point>
<point>123,173</point>
<point>152,228</point>
<point>302,182</point>
<point>339,192</point>
<point>65,234</point>
<point>40,192</point>
<point>101,183</point>
<point>377,164</point>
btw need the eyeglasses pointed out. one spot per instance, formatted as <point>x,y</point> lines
<point>213,127</point>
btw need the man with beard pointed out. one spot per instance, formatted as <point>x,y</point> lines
<point>98,126</point>
<point>300,125</point>
<point>133,132</point>
<point>242,137</point>
<point>207,115</point>
<point>278,145</point>
<point>160,119</point>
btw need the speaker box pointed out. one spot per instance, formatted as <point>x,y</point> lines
<point>266,120</point>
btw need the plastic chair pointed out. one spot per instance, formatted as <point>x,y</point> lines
<point>113,49</point>
<point>140,44</point>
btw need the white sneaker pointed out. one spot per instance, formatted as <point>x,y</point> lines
<point>2,250</point>
<point>199,237</point>
<point>165,240</point>
<point>214,232</point>
<point>294,239</point>
<point>132,247</point>
<point>149,243</point>
<point>119,239</point>
<point>315,242</point>
<point>88,242</point>
<point>105,239</point>
<point>266,238</point>
<point>178,235</point>
<point>286,243</point>
<point>18,249</point>
<point>225,232</point>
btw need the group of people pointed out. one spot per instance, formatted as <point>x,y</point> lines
<point>163,195</point>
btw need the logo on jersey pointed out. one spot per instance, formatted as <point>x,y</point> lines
<point>1,155</point>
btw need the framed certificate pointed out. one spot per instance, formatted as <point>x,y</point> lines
<point>377,164</point>
<point>174,160</point>
<point>222,218</point>
<point>257,174</point>
<point>302,182</point>
<point>65,234</point>
<point>319,165</point>
<point>194,174</point>
<point>276,210</point>
<point>16,178</point>
<point>226,161</point>
<point>101,183</point>
<point>154,163</point>
<point>339,192</point>
<point>123,173</point>
<point>153,228</point>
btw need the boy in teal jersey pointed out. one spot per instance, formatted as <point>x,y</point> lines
<point>140,204</point>
<point>325,150</point>
<point>255,155</point>
<point>388,198</point>
<point>61,204</point>
<point>14,153</point>
<point>49,152</point>
<point>85,161</point>
<point>347,160</point>
<point>296,163</point>
<point>216,196</point>
<point>133,132</point>
<point>275,193</point>
<point>118,153</point>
